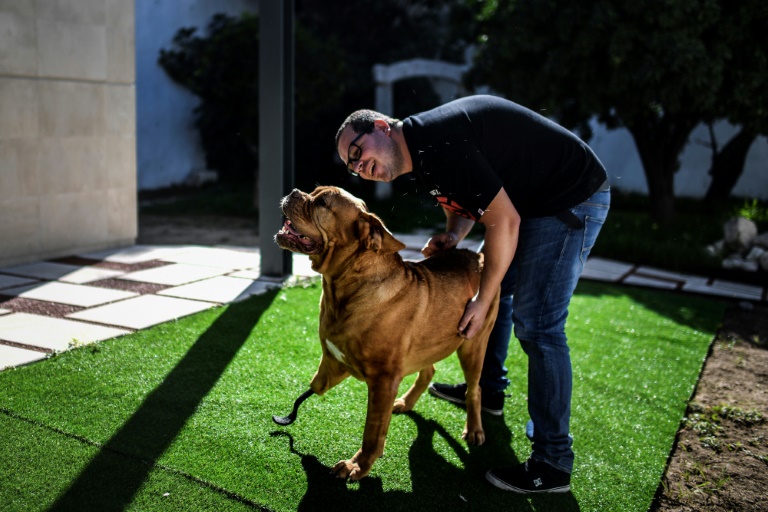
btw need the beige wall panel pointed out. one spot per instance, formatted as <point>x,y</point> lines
<point>73,220</point>
<point>122,214</point>
<point>121,55</point>
<point>19,112</point>
<point>20,228</point>
<point>67,127</point>
<point>68,50</point>
<point>92,12</point>
<point>19,163</point>
<point>120,110</point>
<point>18,44</point>
<point>120,165</point>
<point>70,109</point>
<point>72,164</point>
<point>19,7</point>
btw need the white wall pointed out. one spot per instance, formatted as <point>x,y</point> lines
<point>168,145</point>
<point>616,149</point>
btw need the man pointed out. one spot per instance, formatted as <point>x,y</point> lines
<point>542,196</point>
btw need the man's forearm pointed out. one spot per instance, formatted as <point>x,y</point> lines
<point>458,225</point>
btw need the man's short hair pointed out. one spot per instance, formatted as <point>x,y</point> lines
<point>362,121</point>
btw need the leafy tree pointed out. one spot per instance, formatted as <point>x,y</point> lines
<point>369,32</point>
<point>222,69</point>
<point>336,45</point>
<point>656,67</point>
<point>744,95</point>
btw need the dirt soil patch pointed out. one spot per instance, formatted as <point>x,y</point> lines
<point>197,230</point>
<point>720,458</point>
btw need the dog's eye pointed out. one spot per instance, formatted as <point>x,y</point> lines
<point>320,201</point>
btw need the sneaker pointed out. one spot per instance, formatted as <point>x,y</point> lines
<point>530,477</point>
<point>490,402</point>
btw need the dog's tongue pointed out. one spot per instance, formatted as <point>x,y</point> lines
<point>287,226</point>
<point>303,239</point>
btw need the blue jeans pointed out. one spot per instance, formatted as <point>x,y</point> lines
<point>535,294</point>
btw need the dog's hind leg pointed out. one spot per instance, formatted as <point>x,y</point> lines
<point>406,402</point>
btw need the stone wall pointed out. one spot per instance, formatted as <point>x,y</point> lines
<point>67,127</point>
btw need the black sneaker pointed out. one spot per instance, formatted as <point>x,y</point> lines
<point>530,477</point>
<point>491,402</point>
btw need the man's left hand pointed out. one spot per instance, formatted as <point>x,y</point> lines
<point>474,316</point>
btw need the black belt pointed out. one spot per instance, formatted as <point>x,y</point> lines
<point>570,219</point>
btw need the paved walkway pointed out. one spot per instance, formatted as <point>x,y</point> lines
<point>52,306</point>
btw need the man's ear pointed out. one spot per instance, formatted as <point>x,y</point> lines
<point>382,125</point>
<point>373,235</point>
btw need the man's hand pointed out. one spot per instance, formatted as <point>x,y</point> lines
<point>441,242</point>
<point>474,316</point>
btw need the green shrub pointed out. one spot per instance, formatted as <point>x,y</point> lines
<point>222,69</point>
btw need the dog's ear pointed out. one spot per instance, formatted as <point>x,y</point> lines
<point>373,235</point>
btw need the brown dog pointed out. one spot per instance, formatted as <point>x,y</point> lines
<point>382,318</point>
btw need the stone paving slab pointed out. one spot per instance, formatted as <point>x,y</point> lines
<point>142,312</point>
<point>174,274</point>
<point>221,289</point>
<point>14,356</point>
<point>51,333</point>
<point>728,289</point>
<point>600,269</point>
<point>673,276</point>
<point>251,274</point>
<point>85,275</point>
<point>67,293</point>
<point>237,259</point>
<point>41,270</point>
<point>650,282</point>
<point>13,281</point>
<point>136,253</point>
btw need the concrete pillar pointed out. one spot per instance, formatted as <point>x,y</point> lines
<point>276,128</point>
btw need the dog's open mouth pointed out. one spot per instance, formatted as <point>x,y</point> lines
<point>289,238</point>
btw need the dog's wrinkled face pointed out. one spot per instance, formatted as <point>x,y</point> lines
<point>328,213</point>
<point>332,217</point>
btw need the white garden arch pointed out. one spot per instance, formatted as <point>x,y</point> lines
<point>385,75</point>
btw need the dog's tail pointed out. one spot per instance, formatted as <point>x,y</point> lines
<point>287,420</point>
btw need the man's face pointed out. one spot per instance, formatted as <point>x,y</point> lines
<point>380,158</point>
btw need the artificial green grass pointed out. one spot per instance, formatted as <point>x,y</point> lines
<point>179,416</point>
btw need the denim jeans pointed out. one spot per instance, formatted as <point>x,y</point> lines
<point>535,294</point>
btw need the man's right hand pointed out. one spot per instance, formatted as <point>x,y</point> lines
<point>441,242</point>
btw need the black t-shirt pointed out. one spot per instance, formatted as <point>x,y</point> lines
<point>465,151</point>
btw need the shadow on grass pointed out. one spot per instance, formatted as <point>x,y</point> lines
<point>436,483</point>
<point>107,483</point>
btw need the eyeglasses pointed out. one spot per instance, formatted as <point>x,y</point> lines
<point>355,152</point>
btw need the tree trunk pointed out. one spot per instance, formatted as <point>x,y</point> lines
<point>659,142</point>
<point>728,165</point>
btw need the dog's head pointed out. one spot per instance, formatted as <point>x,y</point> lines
<point>331,219</point>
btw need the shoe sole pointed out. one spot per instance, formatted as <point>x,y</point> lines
<point>453,399</point>
<point>501,484</point>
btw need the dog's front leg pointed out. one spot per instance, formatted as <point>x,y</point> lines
<point>381,394</point>
<point>328,374</point>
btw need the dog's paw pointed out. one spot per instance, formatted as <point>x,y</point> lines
<point>400,406</point>
<point>476,436</point>
<point>348,469</point>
